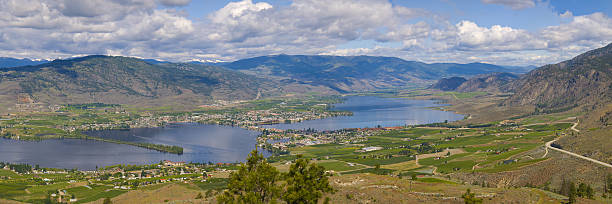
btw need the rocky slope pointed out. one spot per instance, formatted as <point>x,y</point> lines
<point>583,80</point>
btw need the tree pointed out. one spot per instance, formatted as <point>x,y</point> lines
<point>254,182</point>
<point>199,196</point>
<point>470,198</point>
<point>306,182</point>
<point>565,188</point>
<point>107,201</point>
<point>572,193</point>
<point>581,192</point>
<point>608,183</point>
<point>589,192</point>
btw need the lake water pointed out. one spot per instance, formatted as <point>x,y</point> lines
<point>371,111</point>
<point>201,143</point>
<point>204,143</point>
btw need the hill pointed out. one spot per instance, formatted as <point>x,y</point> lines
<point>449,84</point>
<point>356,73</point>
<point>13,62</point>
<point>124,80</point>
<point>583,80</point>
<point>495,82</point>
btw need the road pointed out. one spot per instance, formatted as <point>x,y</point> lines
<point>548,146</point>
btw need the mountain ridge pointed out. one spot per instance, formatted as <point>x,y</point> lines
<point>356,73</point>
<point>583,80</point>
<point>125,80</point>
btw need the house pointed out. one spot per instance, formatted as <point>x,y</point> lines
<point>369,149</point>
<point>171,163</point>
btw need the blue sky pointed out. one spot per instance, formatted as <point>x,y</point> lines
<point>505,32</point>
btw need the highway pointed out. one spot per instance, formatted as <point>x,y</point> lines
<point>548,146</point>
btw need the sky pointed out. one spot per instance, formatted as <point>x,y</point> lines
<point>503,32</point>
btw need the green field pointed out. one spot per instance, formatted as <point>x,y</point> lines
<point>484,148</point>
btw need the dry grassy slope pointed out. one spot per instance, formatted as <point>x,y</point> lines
<point>369,188</point>
<point>558,167</point>
<point>595,134</point>
<point>360,188</point>
<point>172,192</point>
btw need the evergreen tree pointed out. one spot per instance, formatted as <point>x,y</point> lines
<point>306,183</point>
<point>565,188</point>
<point>572,193</point>
<point>254,182</point>
<point>609,183</point>
<point>590,193</point>
<point>581,192</point>
<point>470,198</point>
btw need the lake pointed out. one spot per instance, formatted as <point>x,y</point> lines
<point>204,143</point>
<point>201,143</point>
<point>371,111</point>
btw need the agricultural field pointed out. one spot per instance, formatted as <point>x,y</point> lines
<point>493,148</point>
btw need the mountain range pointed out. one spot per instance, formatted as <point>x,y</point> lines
<point>357,73</point>
<point>124,80</point>
<point>493,82</point>
<point>14,62</point>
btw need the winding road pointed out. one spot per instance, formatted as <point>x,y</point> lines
<point>548,146</point>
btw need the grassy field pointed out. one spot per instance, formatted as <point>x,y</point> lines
<point>493,148</point>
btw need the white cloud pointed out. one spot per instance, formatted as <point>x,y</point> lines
<point>496,38</point>
<point>514,4</point>
<point>586,31</point>
<point>61,28</point>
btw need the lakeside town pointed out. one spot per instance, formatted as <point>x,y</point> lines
<point>72,119</point>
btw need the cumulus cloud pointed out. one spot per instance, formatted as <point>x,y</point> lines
<point>514,4</point>
<point>143,28</point>
<point>588,30</point>
<point>496,38</point>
